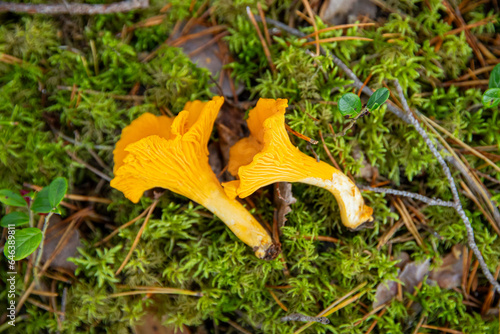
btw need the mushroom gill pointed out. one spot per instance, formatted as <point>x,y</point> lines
<point>268,156</point>
<point>173,154</point>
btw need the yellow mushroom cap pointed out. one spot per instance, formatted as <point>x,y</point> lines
<point>268,156</point>
<point>176,158</point>
<point>144,126</point>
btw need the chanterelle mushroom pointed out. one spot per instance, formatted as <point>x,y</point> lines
<point>268,156</point>
<point>172,154</point>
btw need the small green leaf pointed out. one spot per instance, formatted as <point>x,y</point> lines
<point>57,190</point>
<point>41,204</point>
<point>349,104</point>
<point>8,197</point>
<point>491,97</point>
<point>378,98</point>
<point>22,243</point>
<point>495,77</point>
<point>15,218</point>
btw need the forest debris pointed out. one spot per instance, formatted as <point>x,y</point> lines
<point>342,11</point>
<point>227,138</point>
<point>214,160</point>
<point>411,275</point>
<point>203,50</point>
<point>447,276</point>
<point>69,249</point>
<point>74,8</point>
<point>283,198</point>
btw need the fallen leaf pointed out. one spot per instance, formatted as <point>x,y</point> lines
<point>209,57</point>
<point>54,232</point>
<point>411,274</point>
<point>449,274</point>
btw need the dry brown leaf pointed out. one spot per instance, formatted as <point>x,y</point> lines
<point>449,274</point>
<point>54,232</point>
<point>411,275</point>
<point>209,57</point>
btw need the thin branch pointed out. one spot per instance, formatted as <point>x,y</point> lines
<point>74,8</point>
<point>410,119</point>
<point>351,123</point>
<point>301,317</point>
<point>425,199</point>
<point>458,206</point>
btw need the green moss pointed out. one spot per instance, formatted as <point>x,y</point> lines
<point>182,246</point>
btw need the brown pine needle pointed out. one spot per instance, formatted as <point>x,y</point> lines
<point>204,32</point>
<point>238,327</point>
<point>470,195</point>
<point>167,291</point>
<point>74,196</point>
<point>456,31</point>
<point>323,238</point>
<point>408,222</point>
<point>442,329</point>
<point>491,293</point>
<point>340,38</point>
<point>372,312</point>
<point>165,8</point>
<point>461,143</point>
<point>342,26</point>
<point>466,83</point>
<point>472,275</point>
<point>334,162</point>
<point>263,19</point>
<point>388,235</point>
<point>364,83</point>
<point>115,232</point>
<point>8,59</point>
<point>313,22</point>
<point>300,135</point>
<point>262,41</point>
<point>44,293</point>
<point>138,237</point>
<point>43,306</point>
<point>278,301</point>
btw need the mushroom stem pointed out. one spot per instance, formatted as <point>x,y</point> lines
<point>353,210</point>
<point>268,156</point>
<point>243,225</point>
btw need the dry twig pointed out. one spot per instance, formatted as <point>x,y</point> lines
<point>73,8</point>
<point>407,116</point>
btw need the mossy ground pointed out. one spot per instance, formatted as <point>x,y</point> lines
<point>183,247</point>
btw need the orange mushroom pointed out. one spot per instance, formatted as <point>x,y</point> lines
<point>173,154</point>
<point>268,156</point>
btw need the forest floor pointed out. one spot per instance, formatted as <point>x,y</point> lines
<point>69,84</point>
